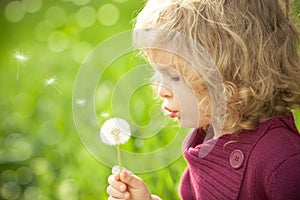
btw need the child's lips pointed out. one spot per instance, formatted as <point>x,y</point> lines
<point>171,113</point>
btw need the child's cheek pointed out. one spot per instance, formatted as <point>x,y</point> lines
<point>190,115</point>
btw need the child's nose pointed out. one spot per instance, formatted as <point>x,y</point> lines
<point>164,92</point>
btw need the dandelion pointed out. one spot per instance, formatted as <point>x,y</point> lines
<point>114,132</point>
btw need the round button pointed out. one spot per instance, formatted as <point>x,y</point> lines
<point>236,159</point>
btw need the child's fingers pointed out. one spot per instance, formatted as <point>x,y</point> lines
<point>116,194</point>
<point>131,180</point>
<point>113,180</point>
<point>116,169</point>
<point>113,198</point>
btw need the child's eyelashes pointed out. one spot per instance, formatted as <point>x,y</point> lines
<point>163,76</point>
<point>175,78</point>
<point>159,78</point>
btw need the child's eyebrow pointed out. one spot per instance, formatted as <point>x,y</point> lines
<point>163,68</point>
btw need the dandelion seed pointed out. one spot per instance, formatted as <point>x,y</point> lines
<point>21,60</point>
<point>114,132</point>
<point>20,57</point>
<point>105,115</point>
<point>51,83</point>
<point>81,102</point>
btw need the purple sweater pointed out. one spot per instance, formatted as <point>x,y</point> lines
<point>259,164</point>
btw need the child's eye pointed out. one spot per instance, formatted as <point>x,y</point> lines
<point>175,78</point>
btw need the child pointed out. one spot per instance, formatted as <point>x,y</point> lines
<point>252,151</point>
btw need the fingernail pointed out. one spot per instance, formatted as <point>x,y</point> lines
<point>122,187</point>
<point>124,174</point>
<point>115,169</point>
<point>127,195</point>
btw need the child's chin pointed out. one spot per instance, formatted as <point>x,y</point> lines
<point>187,123</point>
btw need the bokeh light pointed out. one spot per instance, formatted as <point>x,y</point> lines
<point>39,166</point>
<point>56,15</point>
<point>32,6</point>
<point>15,11</point>
<point>10,190</point>
<point>80,50</point>
<point>43,30</point>
<point>8,175</point>
<point>80,2</point>
<point>18,148</point>
<point>58,41</point>
<point>108,14</point>
<point>48,134</point>
<point>86,16</point>
<point>31,193</point>
<point>68,189</point>
<point>25,175</point>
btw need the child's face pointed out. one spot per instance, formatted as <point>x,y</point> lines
<point>179,99</point>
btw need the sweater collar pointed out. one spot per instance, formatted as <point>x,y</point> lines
<point>224,158</point>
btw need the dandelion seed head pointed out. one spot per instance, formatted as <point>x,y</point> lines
<point>115,131</point>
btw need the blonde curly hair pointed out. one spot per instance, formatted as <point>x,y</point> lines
<point>252,43</point>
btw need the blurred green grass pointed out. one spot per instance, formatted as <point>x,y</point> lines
<point>42,47</point>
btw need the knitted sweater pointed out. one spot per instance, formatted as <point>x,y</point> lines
<point>258,164</point>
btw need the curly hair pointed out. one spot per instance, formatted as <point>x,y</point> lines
<point>252,43</point>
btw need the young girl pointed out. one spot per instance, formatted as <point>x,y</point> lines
<point>245,53</point>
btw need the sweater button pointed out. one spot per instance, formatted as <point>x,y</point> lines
<point>236,159</point>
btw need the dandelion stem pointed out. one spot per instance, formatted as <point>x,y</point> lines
<point>119,157</point>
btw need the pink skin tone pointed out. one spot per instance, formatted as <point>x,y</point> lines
<point>126,185</point>
<point>179,102</point>
<point>179,99</point>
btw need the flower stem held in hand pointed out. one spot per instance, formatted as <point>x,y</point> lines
<point>119,157</point>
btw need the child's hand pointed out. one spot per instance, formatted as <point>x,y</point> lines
<point>126,185</point>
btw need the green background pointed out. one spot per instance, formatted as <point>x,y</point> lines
<point>43,44</point>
